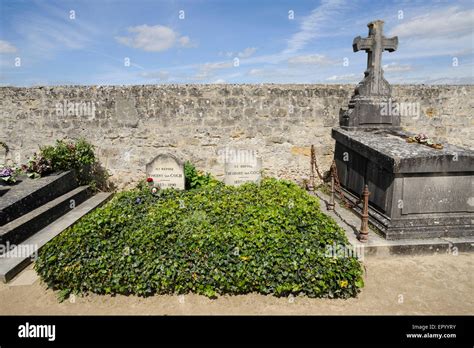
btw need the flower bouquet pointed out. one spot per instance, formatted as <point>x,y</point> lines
<point>154,189</point>
<point>38,166</point>
<point>8,175</point>
<point>423,139</point>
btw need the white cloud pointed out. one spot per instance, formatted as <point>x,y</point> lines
<point>450,22</point>
<point>224,70</point>
<point>6,47</point>
<point>186,42</point>
<point>208,70</point>
<point>47,35</point>
<point>312,26</point>
<point>155,38</point>
<point>255,72</point>
<point>216,66</point>
<point>247,52</point>
<point>310,59</point>
<point>227,54</point>
<point>443,32</point>
<point>396,67</point>
<point>466,80</point>
<point>348,77</point>
<point>158,75</point>
<point>318,23</point>
<point>219,81</point>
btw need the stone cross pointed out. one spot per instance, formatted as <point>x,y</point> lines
<point>374,45</point>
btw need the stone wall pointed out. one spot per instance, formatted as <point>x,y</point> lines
<point>129,125</point>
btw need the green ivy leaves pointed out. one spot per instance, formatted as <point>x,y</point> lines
<point>195,179</point>
<point>212,240</point>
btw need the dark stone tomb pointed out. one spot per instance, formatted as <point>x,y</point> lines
<point>416,191</point>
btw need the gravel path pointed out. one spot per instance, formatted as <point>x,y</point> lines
<point>432,284</point>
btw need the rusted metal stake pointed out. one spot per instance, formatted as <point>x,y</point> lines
<point>331,203</point>
<point>310,185</point>
<point>364,226</point>
<point>311,176</point>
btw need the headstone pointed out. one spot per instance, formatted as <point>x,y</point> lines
<point>242,171</point>
<point>166,171</point>
<point>373,94</point>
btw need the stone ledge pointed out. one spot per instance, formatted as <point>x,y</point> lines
<point>391,151</point>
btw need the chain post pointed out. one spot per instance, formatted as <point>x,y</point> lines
<point>311,176</point>
<point>364,226</point>
<point>332,204</point>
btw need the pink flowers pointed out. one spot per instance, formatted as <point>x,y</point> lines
<point>6,171</point>
<point>422,138</point>
<point>8,175</point>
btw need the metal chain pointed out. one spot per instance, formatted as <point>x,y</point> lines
<point>338,189</point>
<point>314,166</point>
<point>327,177</point>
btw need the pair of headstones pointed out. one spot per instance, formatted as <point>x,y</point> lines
<point>167,171</point>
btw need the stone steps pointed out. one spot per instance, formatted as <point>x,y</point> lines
<point>18,230</point>
<point>30,194</point>
<point>17,258</point>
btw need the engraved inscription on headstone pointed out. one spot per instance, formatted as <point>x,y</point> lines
<point>237,173</point>
<point>166,171</point>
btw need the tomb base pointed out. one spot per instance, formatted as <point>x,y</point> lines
<point>415,191</point>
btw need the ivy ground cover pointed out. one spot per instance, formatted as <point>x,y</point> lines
<point>269,238</point>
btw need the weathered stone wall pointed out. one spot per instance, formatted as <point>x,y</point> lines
<point>131,124</point>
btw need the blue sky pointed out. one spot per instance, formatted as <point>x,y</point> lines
<point>229,41</point>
